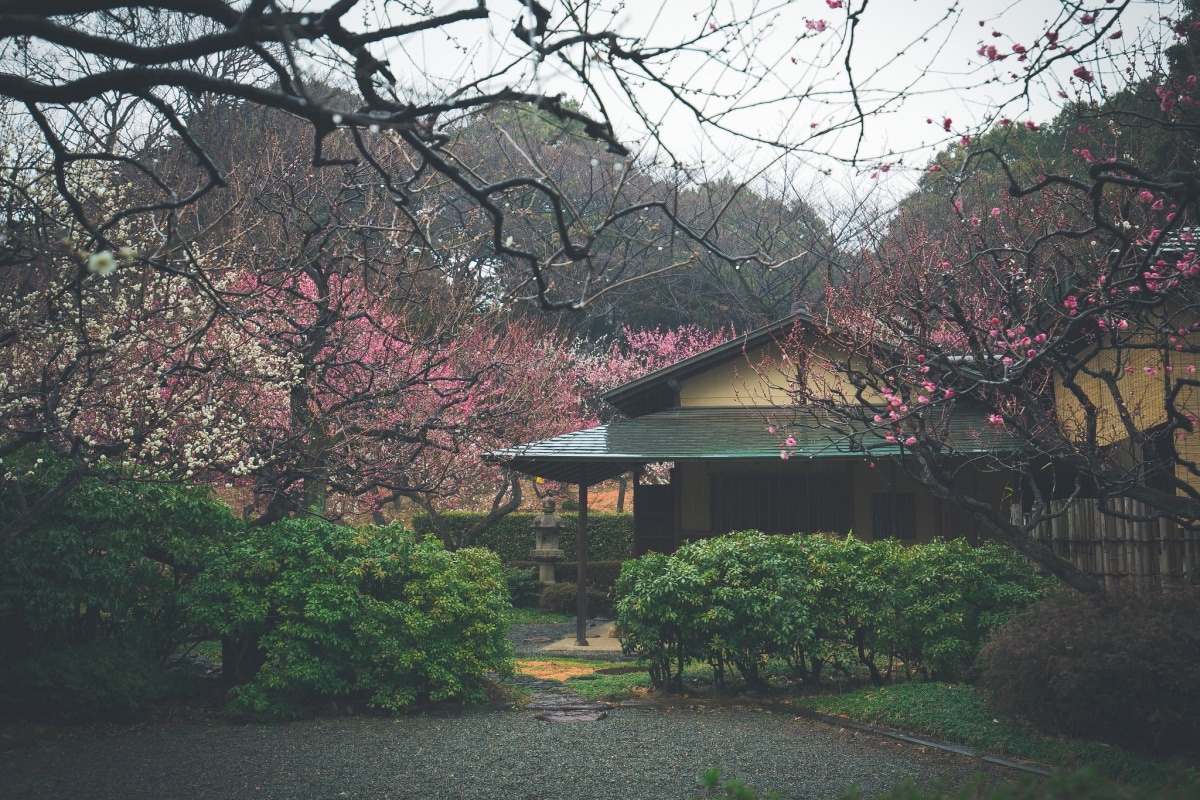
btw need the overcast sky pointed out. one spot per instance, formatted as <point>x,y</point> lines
<point>782,74</point>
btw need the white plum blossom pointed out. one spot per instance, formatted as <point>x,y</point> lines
<point>102,263</point>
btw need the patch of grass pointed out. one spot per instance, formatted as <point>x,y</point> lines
<point>535,616</point>
<point>626,685</point>
<point>598,686</point>
<point>590,679</point>
<point>584,677</point>
<point>955,713</point>
<point>209,649</point>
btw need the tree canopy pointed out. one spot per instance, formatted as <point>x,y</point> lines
<point>1047,273</point>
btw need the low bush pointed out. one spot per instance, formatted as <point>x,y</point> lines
<point>610,536</point>
<point>90,593</point>
<point>854,589</point>
<point>601,575</point>
<point>524,587</point>
<point>563,598</point>
<point>755,600</point>
<point>658,604</point>
<point>100,680</point>
<point>1119,667</point>
<point>731,789</point>
<point>951,594</point>
<point>817,601</point>
<point>370,615</point>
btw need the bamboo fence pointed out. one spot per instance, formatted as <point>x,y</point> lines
<point>1113,544</point>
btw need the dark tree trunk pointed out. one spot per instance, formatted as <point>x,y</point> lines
<point>1012,535</point>
<point>581,555</point>
<point>241,658</point>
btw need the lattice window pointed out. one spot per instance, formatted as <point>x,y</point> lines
<point>894,515</point>
<point>781,502</point>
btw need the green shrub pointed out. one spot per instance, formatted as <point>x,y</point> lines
<point>1120,668</point>
<point>524,587</point>
<point>659,602</point>
<point>372,614</point>
<point>90,593</point>
<point>737,601</point>
<point>950,595</point>
<point>563,598</point>
<point>601,575</point>
<point>610,536</point>
<point>855,590</point>
<point>732,789</point>
<point>106,561</point>
<point>757,601</point>
<point>100,680</point>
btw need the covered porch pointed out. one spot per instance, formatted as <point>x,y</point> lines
<point>703,472</point>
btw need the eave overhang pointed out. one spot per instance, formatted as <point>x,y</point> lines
<point>727,435</point>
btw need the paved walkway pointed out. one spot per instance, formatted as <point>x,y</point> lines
<point>602,643</point>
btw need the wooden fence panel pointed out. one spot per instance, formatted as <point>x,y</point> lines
<point>1119,544</point>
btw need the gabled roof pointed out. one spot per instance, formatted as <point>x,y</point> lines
<point>721,435</point>
<point>656,392</point>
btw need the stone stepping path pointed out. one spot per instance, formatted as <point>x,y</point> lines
<point>553,702</point>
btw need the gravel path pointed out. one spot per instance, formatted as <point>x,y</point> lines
<point>552,631</point>
<point>493,753</point>
<point>651,752</point>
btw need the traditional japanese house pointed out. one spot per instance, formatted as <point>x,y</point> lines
<point>717,445</point>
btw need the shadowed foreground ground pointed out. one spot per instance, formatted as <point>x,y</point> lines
<point>651,753</point>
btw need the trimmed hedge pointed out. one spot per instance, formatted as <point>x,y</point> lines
<point>610,536</point>
<point>816,602</point>
<point>563,598</point>
<point>601,575</point>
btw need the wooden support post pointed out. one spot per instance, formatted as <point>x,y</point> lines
<point>581,555</point>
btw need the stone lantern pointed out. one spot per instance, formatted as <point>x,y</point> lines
<point>546,529</point>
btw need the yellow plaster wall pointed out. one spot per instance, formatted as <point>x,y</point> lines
<point>1141,386</point>
<point>1144,393</point>
<point>738,383</point>
<point>1188,444</point>
<point>694,506</point>
<point>765,377</point>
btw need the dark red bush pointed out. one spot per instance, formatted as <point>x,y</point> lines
<point>1120,668</point>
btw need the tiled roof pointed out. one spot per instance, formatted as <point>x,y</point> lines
<point>718,434</point>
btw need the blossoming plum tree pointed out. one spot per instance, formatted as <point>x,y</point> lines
<point>317,349</point>
<point>1064,313</point>
<point>399,365</point>
<point>129,108</point>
